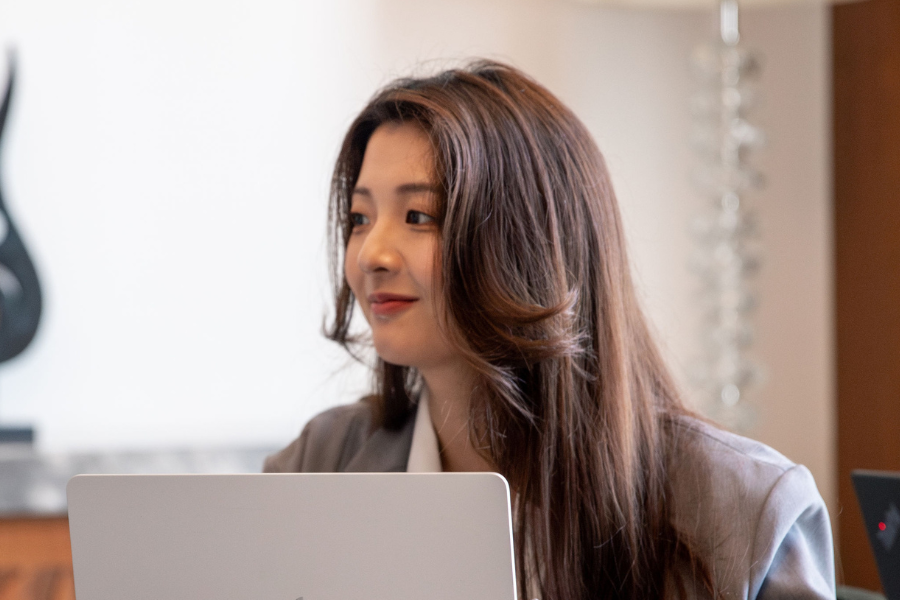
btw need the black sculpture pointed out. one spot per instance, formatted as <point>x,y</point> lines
<point>20,292</point>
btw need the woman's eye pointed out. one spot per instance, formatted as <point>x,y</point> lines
<point>415,217</point>
<point>357,219</point>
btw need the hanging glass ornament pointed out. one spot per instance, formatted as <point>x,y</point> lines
<point>727,251</point>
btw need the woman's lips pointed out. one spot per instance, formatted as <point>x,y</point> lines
<point>384,304</point>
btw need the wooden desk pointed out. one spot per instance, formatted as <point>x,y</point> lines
<point>35,559</point>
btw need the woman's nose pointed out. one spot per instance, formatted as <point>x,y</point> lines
<point>379,250</point>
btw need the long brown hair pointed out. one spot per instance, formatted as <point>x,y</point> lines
<point>574,403</point>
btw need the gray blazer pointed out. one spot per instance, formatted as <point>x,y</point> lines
<point>755,516</point>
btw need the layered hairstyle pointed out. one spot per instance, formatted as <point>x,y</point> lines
<point>574,404</point>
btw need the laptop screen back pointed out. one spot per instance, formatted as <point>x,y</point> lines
<point>290,536</point>
<point>879,498</point>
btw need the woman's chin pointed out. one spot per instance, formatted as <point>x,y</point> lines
<point>395,356</point>
<point>409,357</point>
<point>421,350</point>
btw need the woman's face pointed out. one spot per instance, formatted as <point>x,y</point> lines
<point>390,262</point>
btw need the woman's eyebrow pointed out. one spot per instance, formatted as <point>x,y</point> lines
<point>418,188</point>
<point>403,189</point>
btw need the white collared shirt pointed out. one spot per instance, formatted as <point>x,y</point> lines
<point>424,453</point>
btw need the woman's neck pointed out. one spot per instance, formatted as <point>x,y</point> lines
<point>450,390</point>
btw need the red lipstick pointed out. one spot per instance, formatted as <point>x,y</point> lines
<point>385,304</point>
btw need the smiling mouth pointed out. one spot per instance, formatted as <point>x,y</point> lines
<point>384,305</point>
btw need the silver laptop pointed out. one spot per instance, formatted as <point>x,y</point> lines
<point>396,536</point>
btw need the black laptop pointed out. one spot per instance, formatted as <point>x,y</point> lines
<point>878,493</point>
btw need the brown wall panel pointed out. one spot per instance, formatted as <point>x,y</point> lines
<point>866,47</point>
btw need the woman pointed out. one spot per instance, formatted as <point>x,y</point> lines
<point>478,231</point>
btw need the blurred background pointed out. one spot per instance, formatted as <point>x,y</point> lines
<point>167,165</point>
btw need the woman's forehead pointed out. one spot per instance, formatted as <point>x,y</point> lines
<point>397,151</point>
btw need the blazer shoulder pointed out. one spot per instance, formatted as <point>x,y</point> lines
<point>731,474</point>
<point>327,442</point>
<point>755,514</point>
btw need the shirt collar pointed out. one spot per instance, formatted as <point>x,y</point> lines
<point>424,453</point>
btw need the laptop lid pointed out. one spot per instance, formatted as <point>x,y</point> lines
<point>384,536</point>
<point>878,493</point>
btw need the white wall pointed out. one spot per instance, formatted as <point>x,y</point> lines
<point>796,340</point>
<point>168,163</point>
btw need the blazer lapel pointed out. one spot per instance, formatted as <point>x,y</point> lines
<point>384,451</point>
